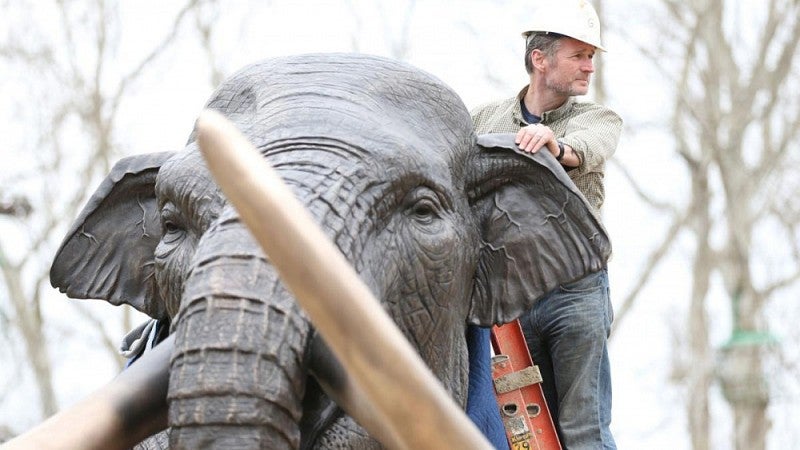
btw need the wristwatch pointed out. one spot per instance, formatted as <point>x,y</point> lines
<point>560,150</point>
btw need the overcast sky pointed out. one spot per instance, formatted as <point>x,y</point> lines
<point>475,47</point>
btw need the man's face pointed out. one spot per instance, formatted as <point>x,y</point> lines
<point>567,73</point>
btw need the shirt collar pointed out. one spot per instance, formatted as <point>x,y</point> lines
<point>547,116</point>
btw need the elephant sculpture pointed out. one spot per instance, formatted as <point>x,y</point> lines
<point>447,229</point>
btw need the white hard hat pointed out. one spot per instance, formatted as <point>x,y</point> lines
<point>574,18</point>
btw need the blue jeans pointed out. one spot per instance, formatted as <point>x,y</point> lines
<point>567,332</point>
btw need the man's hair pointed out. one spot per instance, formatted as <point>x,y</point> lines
<point>547,43</point>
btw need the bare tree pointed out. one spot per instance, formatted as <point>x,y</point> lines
<point>205,17</point>
<point>398,41</point>
<point>67,53</point>
<point>733,122</point>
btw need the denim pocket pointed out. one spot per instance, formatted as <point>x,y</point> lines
<point>589,283</point>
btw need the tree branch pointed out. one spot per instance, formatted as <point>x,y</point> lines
<point>637,188</point>
<point>653,260</point>
<point>136,72</point>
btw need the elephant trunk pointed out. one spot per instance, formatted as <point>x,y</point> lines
<point>238,368</point>
<point>388,377</point>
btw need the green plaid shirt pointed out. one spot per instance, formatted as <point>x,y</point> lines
<point>591,129</point>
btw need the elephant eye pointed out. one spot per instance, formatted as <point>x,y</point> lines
<point>423,206</point>
<point>172,227</point>
<point>424,210</point>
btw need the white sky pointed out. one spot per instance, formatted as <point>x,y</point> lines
<point>482,39</point>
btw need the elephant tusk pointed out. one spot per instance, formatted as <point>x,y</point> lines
<point>124,412</point>
<point>413,409</point>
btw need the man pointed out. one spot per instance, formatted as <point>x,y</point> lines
<point>567,330</point>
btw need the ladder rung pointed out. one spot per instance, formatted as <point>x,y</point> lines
<point>518,380</point>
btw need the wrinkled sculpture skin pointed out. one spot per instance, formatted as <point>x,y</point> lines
<point>445,232</point>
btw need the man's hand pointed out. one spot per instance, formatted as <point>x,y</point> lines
<point>533,137</point>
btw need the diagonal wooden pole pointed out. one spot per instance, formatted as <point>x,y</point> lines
<point>127,410</point>
<point>414,409</point>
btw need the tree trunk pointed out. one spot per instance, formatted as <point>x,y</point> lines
<point>31,326</point>
<point>700,369</point>
<point>743,379</point>
<point>750,401</point>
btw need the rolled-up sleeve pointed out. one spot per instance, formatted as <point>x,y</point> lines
<point>594,134</point>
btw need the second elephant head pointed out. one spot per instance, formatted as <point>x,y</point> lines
<point>445,228</point>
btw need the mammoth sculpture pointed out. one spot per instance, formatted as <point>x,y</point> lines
<point>446,229</point>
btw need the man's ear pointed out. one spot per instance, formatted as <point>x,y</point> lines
<point>537,230</point>
<point>538,59</point>
<point>108,252</point>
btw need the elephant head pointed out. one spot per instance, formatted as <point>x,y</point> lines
<point>446,229</point>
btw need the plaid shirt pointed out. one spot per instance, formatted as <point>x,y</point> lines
<point>591,129</point>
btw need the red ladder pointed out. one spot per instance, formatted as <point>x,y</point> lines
<point>518,388</point>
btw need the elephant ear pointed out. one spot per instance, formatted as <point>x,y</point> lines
<point>538,231</point>
<point>108,252</point>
